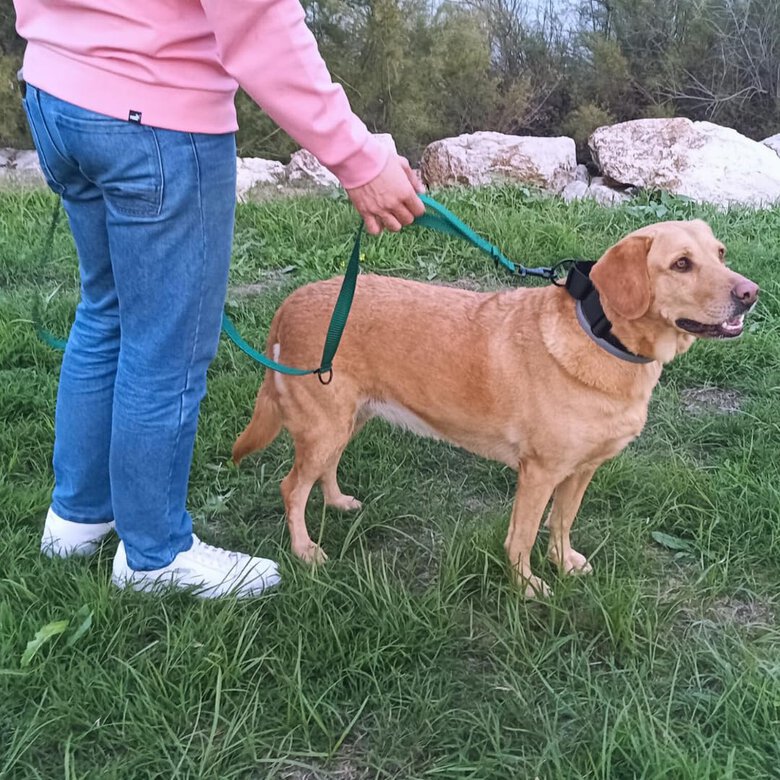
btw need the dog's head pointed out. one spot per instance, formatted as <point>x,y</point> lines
<point>668,284</point>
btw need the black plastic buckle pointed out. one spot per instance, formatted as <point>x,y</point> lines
<point>578,283</point>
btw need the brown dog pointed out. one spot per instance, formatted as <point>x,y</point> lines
<point>451,364</point>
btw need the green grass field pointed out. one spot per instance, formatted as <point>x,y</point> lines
<point>409,655</point>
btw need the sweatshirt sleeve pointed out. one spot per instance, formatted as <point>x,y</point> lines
<point>267,48</point>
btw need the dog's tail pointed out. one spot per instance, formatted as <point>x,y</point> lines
<point>264,426</point>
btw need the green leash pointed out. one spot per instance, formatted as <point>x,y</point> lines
<point>436,217</point>
<point>338,321</point>
<point>43,334</point>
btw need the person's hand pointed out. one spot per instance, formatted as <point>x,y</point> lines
<point>390,200</point>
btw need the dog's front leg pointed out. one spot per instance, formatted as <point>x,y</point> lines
<point>535,485</point>
<point>566,503</point>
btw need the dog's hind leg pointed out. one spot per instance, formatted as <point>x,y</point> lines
<point>317,453</point>
<point>566,503</point>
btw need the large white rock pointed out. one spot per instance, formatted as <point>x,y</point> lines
<point>478,159</point>
<point>20,169</point>
<point>700,160</point>
<point>773,142</point>
<point>254,172</point>
<point>304,170</point>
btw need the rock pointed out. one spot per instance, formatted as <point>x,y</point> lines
<point>604,194</point>
<point>574,191</point>
<point>773,142</point>
<point>700,160</point>
<point>479,159</point>
<point>598,190</point>
<point>306,172</point>
<point>20,169</point>
<point>254,172</point>
<point>581,174</point>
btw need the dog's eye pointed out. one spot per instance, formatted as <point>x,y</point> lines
<point>722,254</point>
<point>682,264</point>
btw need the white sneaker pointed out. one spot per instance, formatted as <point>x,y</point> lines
<point>210,571</point>
<point>63,538</point>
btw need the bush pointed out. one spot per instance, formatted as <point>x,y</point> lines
<point>581,123</point>
<point>13,124</point>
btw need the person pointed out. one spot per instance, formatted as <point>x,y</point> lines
<point>131,108</point>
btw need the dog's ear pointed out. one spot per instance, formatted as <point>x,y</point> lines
<point>621,277</point>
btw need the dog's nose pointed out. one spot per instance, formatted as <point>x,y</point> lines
<point>745,292</point>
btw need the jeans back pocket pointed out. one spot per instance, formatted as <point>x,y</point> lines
<point>121,158</point>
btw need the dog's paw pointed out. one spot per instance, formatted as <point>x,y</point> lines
<point>572,563</point>
<point>345,503</point>
<point>536,588</point>
<point>311,554</point>
<point>575,564</point>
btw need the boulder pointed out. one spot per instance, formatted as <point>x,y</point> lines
<point>602,193</point>
<point>306,172</point>
<point>20,169</point>
<point>700,160</point>
<point>479,159</point>
<point>574,191</point>
<point>252,172</point>
<point>597,190</point>
<point>773,142</point>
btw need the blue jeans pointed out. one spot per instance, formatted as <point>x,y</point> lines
<point>151,213</point>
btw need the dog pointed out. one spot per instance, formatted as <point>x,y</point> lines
<point>517,376</point>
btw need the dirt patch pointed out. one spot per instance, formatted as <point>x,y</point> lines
<point>702,400</point>
<point>747,614</point>
<point>477,504</point>
<point>271,280</point>
<point>343,768</point>
<point>341,772</point>
<point>252,290</point>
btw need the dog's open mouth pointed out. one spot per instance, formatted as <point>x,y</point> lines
<point>728,329</point>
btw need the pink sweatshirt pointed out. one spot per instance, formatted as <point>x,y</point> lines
<point>178,64</point>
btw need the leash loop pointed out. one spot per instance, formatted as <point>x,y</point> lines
<point>320,372</point>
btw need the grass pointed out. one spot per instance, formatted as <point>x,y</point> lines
<point>409,655</point>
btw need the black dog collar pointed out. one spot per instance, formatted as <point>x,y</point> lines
<point>591,315</point>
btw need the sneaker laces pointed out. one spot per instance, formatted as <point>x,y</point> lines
<point>209,551</point>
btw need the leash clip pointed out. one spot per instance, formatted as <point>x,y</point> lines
<point>559,273</point>
<point>543,272</point>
